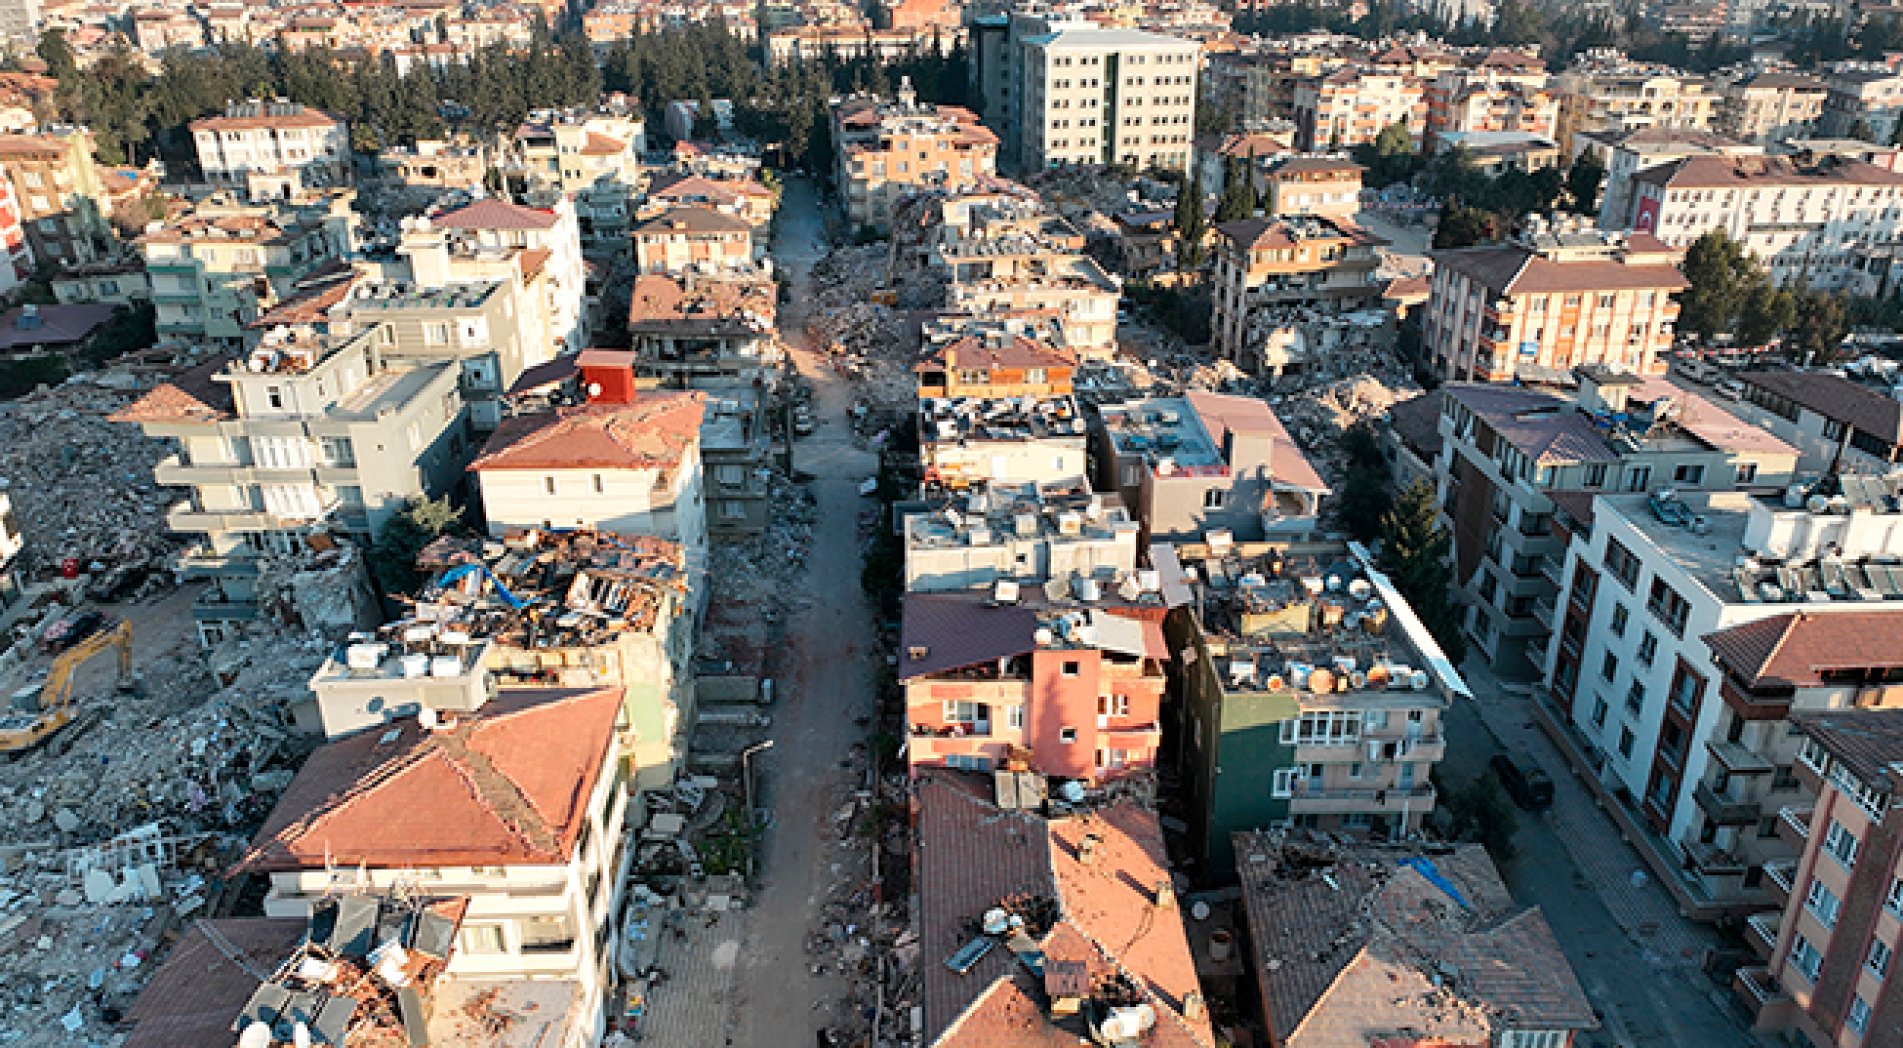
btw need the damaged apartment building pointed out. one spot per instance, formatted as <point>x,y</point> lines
<point>306,438</point>
<point>1307,693</point>
<point>993,253</point>
<point>707,328</point>
<point>996,407</point>
<point>534,609</point>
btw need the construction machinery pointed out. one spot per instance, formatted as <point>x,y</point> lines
<point>35,715</point>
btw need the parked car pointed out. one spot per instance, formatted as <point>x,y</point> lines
<point>72,629</point>
<point>1530,787</point>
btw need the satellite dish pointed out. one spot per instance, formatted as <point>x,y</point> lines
<point>257,1035</point>
<point>594,389</point>
<point>427,718</point>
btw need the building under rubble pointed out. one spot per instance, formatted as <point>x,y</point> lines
<point>995,407</point>
<point>1306,691</point>
<point>534,610</point>
<point>706,328</point>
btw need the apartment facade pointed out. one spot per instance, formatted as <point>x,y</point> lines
<point>1840,425</point>
<point>1770,107</point>
<point>218,268</point>
<point>1324,186</point>
<point>1678,664</point>
<point>1264,266</point>
<point>1556,300</point>
<point>1627,153</point>
<point>1829,948</point>
<point>573,150</point>
<point>1351,106</point>
<point>1512,459</point>
<point>1107,96</point>
<point>542,243</point>
<point>271,136</point>
<point>305,434</point>
<point>996,408</point>
<point>1502,91</point>
<point>16,254</point>
<point>1629,99</point>
<point>685,238</point>
<point>888,149</point>
<point>1862,98</point>
<point>62,202</point>
<point>1830,221</point>
<point>536,844</point>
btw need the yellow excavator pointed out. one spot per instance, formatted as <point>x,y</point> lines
<point>37,716</point>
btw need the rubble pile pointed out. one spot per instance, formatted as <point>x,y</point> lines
<point>1318,415</point>
<point>1094,189</point>
<point>82,486</point>
<point>862,916</point>
<point>756,582</point>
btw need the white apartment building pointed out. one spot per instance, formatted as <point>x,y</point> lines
<point>272,137</point>
<point>1630,98</point>
<point>1831,220</point>
<point>1627,153</point>
<point>1108,96</point>
<point>1659,600</point>
<point>545,243</point>
<point>519,805</point>
<point>1870,95</point>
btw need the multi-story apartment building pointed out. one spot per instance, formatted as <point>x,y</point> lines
<point>1829,947</point>
<point>685,238</point>
<point>706,330</point>
<point>736,195</point>
<point>1207,462</point>
<point>435,164</point>
<point>1508,454</point>
<point>223,264</point>
<point>520,804</point>
<point>1688,621</point>
<point>1306,672</point>
<point>1500,91</point>
<point>995,407</point>
<point>271,137</point>
<point>1258,86</point>
<point>572,150</point>
<point>62,200</point>
<point>1628,98</point>
<point>307,433</point>
<point>1627,153</point>
<point>1556,299</point>
<point>886,150</point>
<point>1862,101</point>
<point>544,243</point>
<point>1265,265</point>
<point>1058,686</point>
<point>1352,105</point>
<point>1766,107</point>
<point>1829,221</point>
<point>1023,535</point>
<point>1841,426</point>
<point>1327,187</point>
<point>1107,96</point>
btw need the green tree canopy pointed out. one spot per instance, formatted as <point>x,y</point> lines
<point>392,556</point>
<point>1722,276</point>
<point>1583,181</point>
<point>1416,552</point>
<point>1191,224</point>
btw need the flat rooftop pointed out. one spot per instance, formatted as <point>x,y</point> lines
<point>1163,428</point>
<point>392,295</point>
<point>960,419</point>
<point>1020,514</point>
<point>1708,548</point>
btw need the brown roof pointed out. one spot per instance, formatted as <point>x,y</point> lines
<point>1020,352</point>
<point>1280,232</point>
<point>970,856</point>
<point>52,325</point>
<point>1222,413</point>
<point>303,118</point>
<point>1868,742</point>
<point>1509,269</point>
<point>192,998</point>
<point>1836,398</point>
<point>316,294</point>
<point>693,220</point>
<point>741,301</point>
<point>1353,944</point>
<point>191,397</point>
<point>490,213</point>
<point>508,785</point>
<point>1416,421</point>
<point>1798,649</point>
<point>690,186</point>
<point>602,145</point>
<point>1297,165</point>
<point>38,147</point>
<point>654,431</point>
<point>1734,172</point>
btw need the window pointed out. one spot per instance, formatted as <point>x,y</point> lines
<point>274,396</point>
<point>1878,960</point>
<point>1805,958</point>
<point>1283,782</point>
<point>1767,827</point>
<point>548,485</point>
<point>1072,669</point>
<point>1859,1018</point>
<point>1619,618</point>
<point>1638,478</point>
<point>1747,472</point>
<point>1214,498</point>
<point>1067,735</point>
<point>1626,739</point>
<point>484,938</point>
<point>967,762</point>
<point>547,934</point>
<point>1841,844</point>
<point>966,712</point>
<point>1599,713</point>
<point>337,451</point>
<point>1687,686</point>
<point>1648,648</point>
<point>1822,903</point>
<point>1668,607</point>
<point>1014,715</point>
<point>1622,565</point>
<point>1323,728</point>
<point>1894,900</point>
<point>1609,667</point>
<point>1689,474</point>
<point>1635,696</point>
<point>1113,705</point>
<point>599,486</point>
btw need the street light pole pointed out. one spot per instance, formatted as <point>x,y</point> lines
<point>746,782</point>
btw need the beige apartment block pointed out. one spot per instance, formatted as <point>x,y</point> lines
<point>888,149</point>
<point>1108,96</point>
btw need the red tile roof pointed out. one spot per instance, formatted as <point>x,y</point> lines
<point>602,145</point>
<point>1222,414</point>
<point>191,397</point>
<point>490,213</point>
<point>972,352</point>
<point>1797,649</point>
<point>305,118</point>
<point>1511,270</point>
<point>654,431</point>
<point>970,855</point>
<point>508,785</point>
<point>1734,172</point>
<point>192,998</point>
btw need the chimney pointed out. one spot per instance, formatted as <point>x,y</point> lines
<point>1087,849</point>
<point>607,375</point>
<point>1165,895</point>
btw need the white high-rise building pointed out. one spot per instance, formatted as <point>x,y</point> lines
<point>1106,96</point>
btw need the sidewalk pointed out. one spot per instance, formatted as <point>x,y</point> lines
<point>1645,911</point>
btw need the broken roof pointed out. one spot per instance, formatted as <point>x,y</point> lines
<point>193,396</point>
<point>191,998</point>
<point>1357,943</point>
<point>1017,351</point>
<point>1107,916</point>
<point>655,431</point>
<point>1800,649</point>
<point>507,785</point>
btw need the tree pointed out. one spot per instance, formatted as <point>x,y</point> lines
<point>57,52</point>
<point>1462,226</point>
<point>1768,312</point>
<point>1191,226</point>
<point>1238,191</point>
<point>1416,554</point>
<point>1364,498</point>
<point>1819,328</point>
<point>1583,181</point>
<point>1721,276</point>
<point>421,521</point>
<point>1389,158</point>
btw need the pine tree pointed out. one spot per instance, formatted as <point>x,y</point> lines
<point>1416,554</point>
<point>1191,225</point>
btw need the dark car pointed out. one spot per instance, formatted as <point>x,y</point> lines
<point>1529,787</point>
<point>71,630</point>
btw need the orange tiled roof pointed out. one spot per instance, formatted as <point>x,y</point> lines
<point>654,431</point>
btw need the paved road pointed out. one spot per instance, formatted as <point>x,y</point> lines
<point>1647,997</point>
<point>828,684</point>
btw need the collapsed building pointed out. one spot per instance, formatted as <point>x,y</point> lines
<point>706,329</point>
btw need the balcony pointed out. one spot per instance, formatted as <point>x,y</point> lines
<point>1780,876</point>
<point>213,606</point>
<point>184,517</point>
<point>1552,568</point>
<point>1724,809</point>
<point>200,562</point>
<point>1543,612</point>
<point>1760,930</point>
<point>1739,759</point>
<point>1320,801</point>
<point>1793,825</point>
<point>176,472</point>
<point>972,730</point>
<point>1763,997</point>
